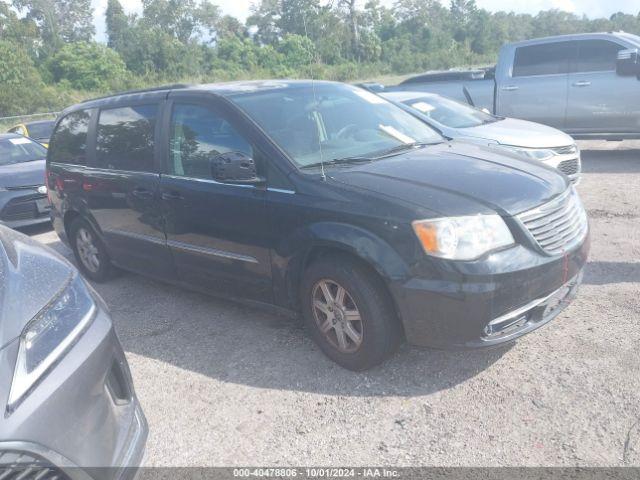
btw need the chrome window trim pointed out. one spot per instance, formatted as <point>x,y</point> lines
<point>103,170</point>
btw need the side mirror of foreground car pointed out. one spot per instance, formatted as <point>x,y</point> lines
<point>235,167</point>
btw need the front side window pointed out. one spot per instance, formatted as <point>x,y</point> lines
<point>20,150</point>
<point>596,56</point>
<point>69,141</point>
<point>332,122</point>
<point>543,59</point>
<point>125,138</point>
<point>199,134</point>
<point>450,113</point>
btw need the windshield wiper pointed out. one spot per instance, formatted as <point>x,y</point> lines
<point>403,147</point>
<point>339,161</point>
<point>371,158</point>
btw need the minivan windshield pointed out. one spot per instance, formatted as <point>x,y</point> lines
<point>20,150</point>
<point>450,113</point>
<point>333,123</point>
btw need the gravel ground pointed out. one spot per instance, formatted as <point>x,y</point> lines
<point>227,385</point>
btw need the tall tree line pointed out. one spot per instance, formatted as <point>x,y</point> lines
<point>50,44</point>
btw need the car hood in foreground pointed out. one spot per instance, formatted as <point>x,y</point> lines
<point>458,179</point>
<point>30,276</point>
<point>22,174</point>
<point>519,133</point>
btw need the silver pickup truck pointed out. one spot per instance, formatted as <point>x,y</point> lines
<point>587,85</point>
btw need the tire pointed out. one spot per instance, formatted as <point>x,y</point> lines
<point>379,329</point>
<point>99,270</point>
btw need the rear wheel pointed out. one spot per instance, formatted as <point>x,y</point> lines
<point>91,254</point>
<point>349,313</point>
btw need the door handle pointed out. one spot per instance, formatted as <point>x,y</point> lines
<point>582,83</point>
<point>142,193</point>
<point>171,196</point>
<point>510,88</point>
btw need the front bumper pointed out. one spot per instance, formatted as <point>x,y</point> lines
<point>488,302</point>
<point>23,207</point>
<point>83,419</point>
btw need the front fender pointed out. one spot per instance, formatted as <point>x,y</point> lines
<point>293,253</point>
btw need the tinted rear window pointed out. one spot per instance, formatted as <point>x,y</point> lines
<point>545,59</point>
<point>596,56</point>
<point>40,130</point>
<point>125,138</point>
<point>69,141</point>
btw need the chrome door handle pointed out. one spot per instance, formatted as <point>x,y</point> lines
<point>510,88</point>
<point>142,193</point>
<point>171,196</point>
<point>583,83</point>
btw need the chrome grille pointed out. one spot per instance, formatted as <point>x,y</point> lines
<point>24,187</point>
<point>15,465</point>
<point>569,167</point>
<point>558,225</point>
<point>568,150</point>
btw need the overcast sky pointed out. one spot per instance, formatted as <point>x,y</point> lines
<point>591,8</point>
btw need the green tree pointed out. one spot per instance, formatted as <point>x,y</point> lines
<point>117,24</point>
<point>462,12</point>
<point>59,21</point>
<point>298,51</point>
<point>87,66</point>
<point>183,19</point>
<point>23,90</point>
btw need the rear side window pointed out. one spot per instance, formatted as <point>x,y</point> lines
<point>124,138</point>
<point>69,141</point>
<point>544,59</point>
<point>596,56</point>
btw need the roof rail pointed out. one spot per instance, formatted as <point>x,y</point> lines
<point>174,86</point>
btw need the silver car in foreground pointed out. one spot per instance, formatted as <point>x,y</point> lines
<point>69,410</point>
<point>462,122</point>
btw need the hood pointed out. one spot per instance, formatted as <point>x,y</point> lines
<point>458,179</point>
<point>519,133</point>
<point>22,174</point>
<point>30,276</point>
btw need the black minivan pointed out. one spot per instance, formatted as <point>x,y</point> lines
<point>323,199</point>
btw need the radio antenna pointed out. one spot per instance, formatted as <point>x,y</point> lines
<point>315,99</point>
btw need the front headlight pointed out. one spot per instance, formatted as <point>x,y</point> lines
<point>540,154</point>
<point>462,238</point>
<point>50,335</point>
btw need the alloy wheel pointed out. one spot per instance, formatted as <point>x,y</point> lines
<point>87,250</point>
<point>337,316</point>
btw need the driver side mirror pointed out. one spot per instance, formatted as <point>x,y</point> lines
<point>628,63</point>
<point>236,168</point>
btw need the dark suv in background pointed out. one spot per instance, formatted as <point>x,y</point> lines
<point>323,199</point>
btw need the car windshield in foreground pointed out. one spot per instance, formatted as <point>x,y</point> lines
<point>19,150</point>
<point>40,130</point>
<point>333,123</point>
<point>450,113</point>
